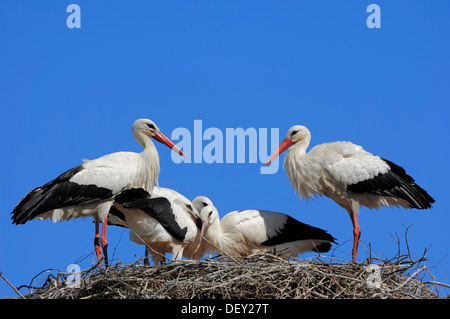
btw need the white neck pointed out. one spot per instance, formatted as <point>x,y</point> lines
<point>150,162</point>
<point>142,139</point>
<point>301,146</point>
<point>215,234</point>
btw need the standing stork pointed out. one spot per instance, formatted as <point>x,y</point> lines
<point>245,232</point>
<point>349,175</point>
<point>88,189</point>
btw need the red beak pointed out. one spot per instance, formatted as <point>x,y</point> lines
<point>160,137</point>
<point>283,146</point>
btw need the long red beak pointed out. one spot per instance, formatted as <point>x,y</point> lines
<point>283,146</point>
<point>160,137</point>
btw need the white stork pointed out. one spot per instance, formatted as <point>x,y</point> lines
<point>349,175</point>
<point>161,224</point>
<point>199,247</point>
<point>245,232</point>
<point>88,189</point>
<point>191,251</point>
<point>176,198</point>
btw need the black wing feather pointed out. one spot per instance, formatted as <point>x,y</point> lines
<point>395,183</point>
<point>294,230</point>
<point>130,195</point>
<point>160,209</point>
<point>57,193</point>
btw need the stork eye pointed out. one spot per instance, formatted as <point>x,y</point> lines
<point>189,207</point>
<point>294,132</point>
<point>151,126</point>
<point>204,204</point>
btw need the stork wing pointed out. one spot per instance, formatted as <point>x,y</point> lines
<point>348,166</point>
<point>60,192</point>
<point>160,208</point>
<point>89,182</point>
<point>395,183</point>
<point>345,163</point>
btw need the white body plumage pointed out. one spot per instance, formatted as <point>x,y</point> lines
<point>114,172</point>
<point>328,168</point>
<point>161,224</point>
<point>242,233</point>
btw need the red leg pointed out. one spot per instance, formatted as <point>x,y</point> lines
<point>356,234</point>
<point>104,241</point>
<point>98,249</point>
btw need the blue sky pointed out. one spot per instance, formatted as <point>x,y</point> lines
<point>68,94</point>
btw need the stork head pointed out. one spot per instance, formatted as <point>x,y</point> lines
<point>200,202</point>
<point>294,135</point>
<point>147,127</point>
<point>188,207</point>
<point>208,215</point>
<point>298,133</point>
